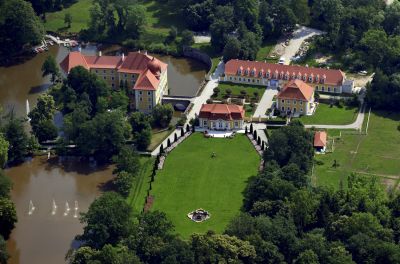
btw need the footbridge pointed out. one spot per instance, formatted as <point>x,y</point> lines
<point>179,102</point>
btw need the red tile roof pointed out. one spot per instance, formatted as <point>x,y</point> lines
<point>320,139</point>
<point>222,111</point>
<point>147,81</point>
<point>296,89</point>
<point>148,67</point>
<point>261,69</point>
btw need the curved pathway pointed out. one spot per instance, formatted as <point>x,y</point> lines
<point>355,125</point>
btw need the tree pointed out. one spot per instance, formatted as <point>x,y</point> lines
<point>307,257</point>
<point>103,136</point>
<point>232,49</point>
<point>68,19</point>
<point>106,221</point>
<point>251,128</point>
<point>5,185</point>
<point>17,138</point>
<point>187,38</point>
<point>3,151</point>
<point>182,132</point>
<point>168,143</point>
<point>175,137</point>
<point>8,217</point>
<point>162,115</point>
<point>20,28</point>
<point>127,160</point>
<point>123,183</point>
<point>42,118</point>
<point>245,130</point>
<point>50,67</point>
<point>143,139</point>
<point>162,148</point>
<point>172,34</point>
<point>136,21</point>
<point>3,251</point>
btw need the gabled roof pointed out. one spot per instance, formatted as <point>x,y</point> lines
<point>147,67</point>
<point>333,77</point>
<point>147,81</point>
<point>296,89</point>
<point>222,111</point>
<point>320,139</point>
<point>72,60</point>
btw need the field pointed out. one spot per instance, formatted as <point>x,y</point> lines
<point>140,185</point>
<point>377,153</point>
<point>265,50</point>
<point>192,179</point>
<point>80,17</point>
<point>325,115</point>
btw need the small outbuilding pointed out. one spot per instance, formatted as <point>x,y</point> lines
<point>320,141</point>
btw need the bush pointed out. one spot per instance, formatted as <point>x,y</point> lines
<point>228,91</point>
<point>255,94</point>
<point>209,101</point>
<point>175,137</point>
<point>181,121</point>
<point>398,127</point>
<point>216,90</point>
<point>243,93</point>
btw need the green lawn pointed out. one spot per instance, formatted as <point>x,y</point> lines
<point>157,138</point>
<point>265,50</point>
<point>80,17</point>
<point>377,153</point>
<point>236,88</point>
<point>326,115</point>
<point>191,179</point>
<point>140,185</point>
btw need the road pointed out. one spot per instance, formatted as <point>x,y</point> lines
<point>265,102</point>
<point>197,103</point>
<point>299,36</point>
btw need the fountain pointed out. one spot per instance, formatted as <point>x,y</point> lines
<point>31,207</point>
<point>199,215</point>
<point>27,109</point>
<point>54,208</point>
<point>67,209</point>
<point>76,209</point>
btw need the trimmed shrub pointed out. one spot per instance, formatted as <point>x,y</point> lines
<point>245,130</point>
<point>168,143</point>
<point>251,128</point>
<point>182,132</point>
<point>162,148</point>
<point>175,137</point>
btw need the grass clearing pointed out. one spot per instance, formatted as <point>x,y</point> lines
<point>191,179</point>
<point>377,153</point>
<point>326,115</point>
<point>140,185</point>
<point>265,50</point>
<point>236,88</point>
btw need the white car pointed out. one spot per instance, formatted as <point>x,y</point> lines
<point>281,60</point>
<point>362,72</point>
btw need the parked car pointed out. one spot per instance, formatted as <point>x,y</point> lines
<point>362,72</point>
<point>281,60</point>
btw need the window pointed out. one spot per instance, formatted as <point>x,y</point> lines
<point>294,110</point>
<point>286,76</point>
<point>140,99</point>
<point>334,89</point>
<point>283,108</point>
<point>258,81</point>
<point>310,79</point>
<point>148,93</point>
<point>140,92</point>
<point>236,123</point>
<point>294,101</point>
<point>112,78</point>
<point>230,78</point>
<point>234,79</point>
<point>316,87</point>
<point>104,71</point>
<point>150,107</point>
<point>105,78</point>
<point>240,79</point>
<point>112,85</point>
<point>112,71</point>
<point>97,71</point>
<point>323,88</point>
<point>268,75</point>
<point>329,89</point>
<point>254,81</point>
<point>248,80</point>
<point>205,123</point>
<point>301,102</point>
<point>301,110</point>
<point>133,76</point>
<point>283,101</point>
<point>149,99</point>
<point>125,75</point>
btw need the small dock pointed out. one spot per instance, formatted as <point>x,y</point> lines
<point>50,40</point>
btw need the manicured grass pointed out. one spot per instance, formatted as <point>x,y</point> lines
<point>137,196</point>
<point>191,179</point>
<point>377,153</point>
<point>80,17</point>
<point>157,138</point>
<point>265,50</point>
<point>236,88</point>
<point>326,115</point>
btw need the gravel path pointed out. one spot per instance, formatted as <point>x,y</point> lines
<point>265,102</point>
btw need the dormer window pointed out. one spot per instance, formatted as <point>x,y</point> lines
<point>260,74</point>
<point>239,72</point>
<point>286,76</point>
<point>317,78</point>
<point>305,77</point>
<point>268,75</point>
<point>310,79</point>
<point>293,76</point>
<point>253,72</point>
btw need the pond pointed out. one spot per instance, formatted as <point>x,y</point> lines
<point>42,237</point>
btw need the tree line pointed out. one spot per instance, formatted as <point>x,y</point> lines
<point>284,219</point>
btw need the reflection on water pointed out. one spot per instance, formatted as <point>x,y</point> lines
<point>52,187</point>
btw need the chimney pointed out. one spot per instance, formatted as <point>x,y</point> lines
<point>123,56</point>
<point>99,53</point>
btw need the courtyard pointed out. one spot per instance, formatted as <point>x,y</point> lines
<point>377,153</point>
<point>208,173</point>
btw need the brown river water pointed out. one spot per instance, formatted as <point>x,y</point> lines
<point>45,235</point>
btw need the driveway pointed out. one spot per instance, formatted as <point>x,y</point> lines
<point>265,102</point>
<point>295,42</point>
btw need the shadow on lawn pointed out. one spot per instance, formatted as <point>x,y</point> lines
<point>393,115</point>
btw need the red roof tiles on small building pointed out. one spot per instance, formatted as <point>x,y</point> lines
<point>222,111</point>
<point>296,89</point>
<point>332,77</point>
<point>320,139</point>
